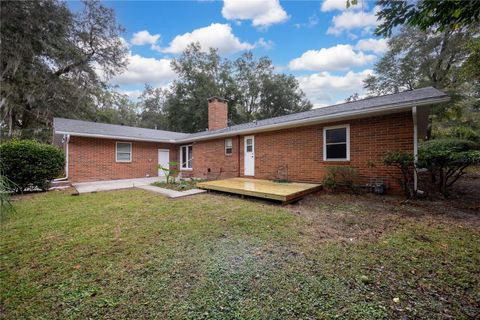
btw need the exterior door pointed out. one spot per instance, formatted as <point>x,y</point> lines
<point>163,159</point>
<point>249,168</point>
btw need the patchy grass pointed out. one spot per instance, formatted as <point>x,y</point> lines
<point>181,185</point>
<point>133,254</point>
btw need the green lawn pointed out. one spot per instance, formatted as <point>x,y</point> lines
<point>133,254</point>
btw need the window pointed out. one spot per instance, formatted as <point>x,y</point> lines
<point>249,145</point>
<point>228,147</point>
<point>336,143</point>
<point>186,157</point>
<point>124,152</point>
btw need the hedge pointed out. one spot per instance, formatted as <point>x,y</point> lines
<point>30,164</point>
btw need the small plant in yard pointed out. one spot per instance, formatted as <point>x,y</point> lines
<point>30,164</point>
<point>6,186</point>
<point>339,176</point>
<point>405,162</point>
<point>447,159</point>
<point>171,171</point>
<point>181,185</point>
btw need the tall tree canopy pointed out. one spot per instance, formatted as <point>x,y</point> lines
<point>251,86</point>
<point>426,14</point>
<point>50,61</point>
<point>446,60</point>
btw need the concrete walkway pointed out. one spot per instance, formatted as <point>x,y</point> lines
<point>172,193</point>
<point>86,187</point>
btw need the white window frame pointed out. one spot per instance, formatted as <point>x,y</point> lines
<point>116,151</point>
<point>181,157</point>
<point>231,147</point>
<point>346,126</point>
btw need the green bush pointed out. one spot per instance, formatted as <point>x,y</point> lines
<point>447,159</point>
<point>339,176</point>
<point>30,164</point>
<point>405,162</point>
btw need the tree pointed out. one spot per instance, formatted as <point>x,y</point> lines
<point>418,58</point>
<point>50,61</point>
<point>447,159</point>
<point>251,87</point>
<point>440,15</point>
<point>200,76</point>
<point>151,106</point>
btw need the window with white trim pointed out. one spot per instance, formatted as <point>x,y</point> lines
<point>336,143</point>
<point>124,152</point>
<point>228,147</point>
<point>186,157</point>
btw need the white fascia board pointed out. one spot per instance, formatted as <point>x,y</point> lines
<point>277,126</point>
<point>104,136</point>
<point>320,119</point>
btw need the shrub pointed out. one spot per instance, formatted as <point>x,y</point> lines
<point>339,176</point>
<point>447,159</point>
<point>30,164</point>
<point>170,172</point>
<point>405,162</point>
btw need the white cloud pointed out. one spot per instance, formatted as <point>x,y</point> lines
<point>340,57</point>
<point>265,44</point>
<point>324,88</point>
<point>142,70</point>
<point>350,20</point>
<point>377,46</point>
<point>144,37</point>
<point>263,13</point>
<point>216,35</point>
<point>341,5</point>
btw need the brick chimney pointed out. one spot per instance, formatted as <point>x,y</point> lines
<point>217,113</point>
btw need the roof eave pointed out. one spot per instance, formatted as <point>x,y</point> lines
<point>320,119</point>
<point>104,136</point>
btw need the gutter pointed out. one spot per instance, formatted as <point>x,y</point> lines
<point>276,126</point>
<point>415,149</point>
<point>105,136</point>
<point>67,140</point>
<point>319,119</point>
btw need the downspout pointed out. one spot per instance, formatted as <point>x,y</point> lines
<point>238,157</point>
<point>67,140</point>
<point>415,149</point>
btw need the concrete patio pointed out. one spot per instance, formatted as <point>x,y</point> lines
<point>141,183</point>
<point>86,187</point>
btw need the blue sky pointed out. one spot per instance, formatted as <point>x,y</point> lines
<point>328,48</point>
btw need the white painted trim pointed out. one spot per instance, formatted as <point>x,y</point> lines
<point>116,152</point>
<point>314,120</point>
<point>225,146</point>
<point>284,125</point>
<point>104,136</point>
<point>415,148</point>
<point>181,156</point>
<point>346,126</point>
<point>158,160</point>
<point>245,155</point>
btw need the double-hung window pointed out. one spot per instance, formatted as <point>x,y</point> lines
<point>228,147</point>
<point>336,143</point>
<point>186,157</point>
<point>123,152</point>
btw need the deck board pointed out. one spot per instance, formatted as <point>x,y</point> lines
<point>285,192</point>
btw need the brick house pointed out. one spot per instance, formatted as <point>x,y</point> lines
<point>296,147</point>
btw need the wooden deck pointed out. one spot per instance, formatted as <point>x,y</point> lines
<point>284,192</point>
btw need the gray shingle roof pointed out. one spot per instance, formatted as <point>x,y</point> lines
<point>406,97</point>
<point>393,101</point>
<point>103,129</point>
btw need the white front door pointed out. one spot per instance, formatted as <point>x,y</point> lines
<point>163,160</point>
<point>249,156</point>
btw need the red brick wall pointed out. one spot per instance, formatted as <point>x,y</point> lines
<point>217,114</point>
<point>92,159</point>
<point>300,151</point>
<point>210,161</point>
